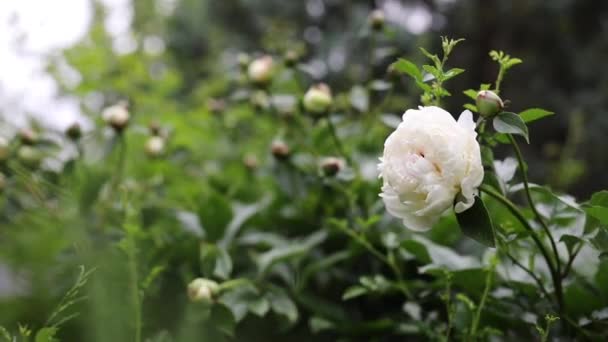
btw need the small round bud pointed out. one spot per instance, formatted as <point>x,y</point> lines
<point>116,116</point>
<point>279,150</point>
<point>376,19</point>
<point>243,60</point>
<point>202,290</point>
<point>318,99</point>
<point>331,166</point>
<point>74,132</point>
<point>488,103</point>
<point>28,136</point>
<point>155,146</point>
<point>250,162</point>
<point>260,70</point>
<point>291,58</point>
<point>4,149</point>
<point>29,156</point>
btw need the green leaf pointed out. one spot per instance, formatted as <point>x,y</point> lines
<point>402,65</point>
<point>534,114</point>
<point>432,70</point>
<point>46,335</point>
<point>599,199</point>
<point>570,241</point>
<point>471,107</point>
<point>600,213</point>
<point>281,304</point>
<point>510,123</point>
<point>353,292</point>
<point>452,73</point>
<point>471,93</point>
<point>215,261</point>
<point>476,223</point>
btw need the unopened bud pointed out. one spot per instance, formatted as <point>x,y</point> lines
<point>116,116</point>
<point>243,60</point>
<point>331,166</point>
<point>202,290</point>
<point>28,136</point>
<point>318,99</point>
<point>29,156</point>
<point>4,149</point>
<point>74,132</point>
<point>291,58</point>
<point>260,70</point>
<point>250,162</point>
<point>279,150</point>
<point>155,146</point>
<point>488,103</point>
<point>376,19</point>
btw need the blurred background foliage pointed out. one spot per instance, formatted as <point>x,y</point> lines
<point>218,171</point>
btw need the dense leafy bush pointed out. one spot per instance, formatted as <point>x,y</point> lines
<point>250,212</point>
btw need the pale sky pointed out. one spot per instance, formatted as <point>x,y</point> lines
<point>31,30</point>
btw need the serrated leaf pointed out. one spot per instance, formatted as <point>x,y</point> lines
<point>510,123</point>
<point>402,65</point>
<point>354,292</point>
<point>534,114</point>
<point>476,223</point>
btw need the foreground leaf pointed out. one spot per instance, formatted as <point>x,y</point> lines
<point>510,123</point>
<point>476,224</point>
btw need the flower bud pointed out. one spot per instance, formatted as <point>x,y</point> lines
<point>488,103</point>
<point>376,19</point>
<point>331,166</point>
<point>28,136</point>
<point>4,149</point>
<point>73,131</point>
<point>250,162</point>
<point>116,116</point>
<point>202,290</point>
<point>279,150</point>
<point>260,70</point>
<point>291,58</point>
<point>318,99</point>
<point>243,60</point>
<point>29,156</point>
<point>155,146</point>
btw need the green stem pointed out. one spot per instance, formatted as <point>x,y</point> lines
<point>482,302</point>
<point>530,273</point>
<point>337,142</point>
<point>537,215</point>
<point>135,297</point>
<point>520,217</point>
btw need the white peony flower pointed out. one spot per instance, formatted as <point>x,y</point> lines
<point>429,161</point>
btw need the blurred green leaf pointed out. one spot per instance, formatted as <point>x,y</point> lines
<point>534,114</point>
